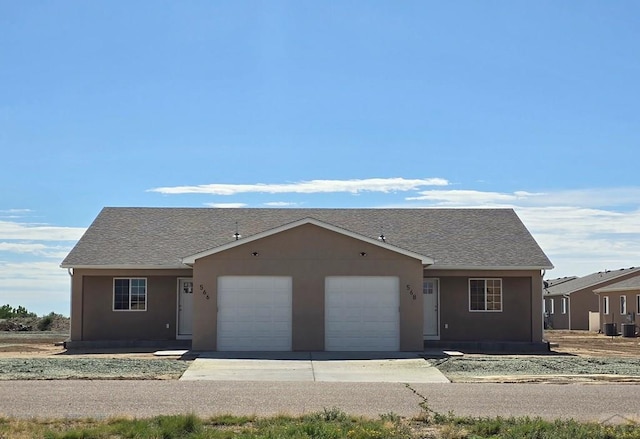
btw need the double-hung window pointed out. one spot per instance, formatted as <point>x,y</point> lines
<point>485,295</point>
<point>638,304</point>
<point>623,304</point>
<point>605,305</point>
<point>130,294</point>
<point>563,305</point>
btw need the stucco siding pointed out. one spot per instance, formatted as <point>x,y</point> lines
<point>308,254</point>
<point>92,300</point>
<point>519,321</point>
<point>614,316</point>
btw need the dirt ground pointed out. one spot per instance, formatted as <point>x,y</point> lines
<point>585,343</point>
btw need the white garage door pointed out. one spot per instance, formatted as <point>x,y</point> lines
<point>254,313</point>
<point>362,313</point>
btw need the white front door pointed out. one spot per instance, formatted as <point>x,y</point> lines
<point>431,294</point>
<point>185,307</point>
<point>362,313</point>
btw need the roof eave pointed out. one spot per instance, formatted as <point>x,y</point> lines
<point>616,290</point>
<point>126,267</point>
<point>490,267</point>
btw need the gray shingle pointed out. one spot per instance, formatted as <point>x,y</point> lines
<point>632,283</point>
<point>162,236</point>
<point>592,280</point>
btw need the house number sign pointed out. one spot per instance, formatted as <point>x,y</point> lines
<point>204,292</point>
<point>410,291</point>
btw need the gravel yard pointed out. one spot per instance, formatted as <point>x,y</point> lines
<point>91,368</point>
<point>578,356</point>
<point>551,368</point>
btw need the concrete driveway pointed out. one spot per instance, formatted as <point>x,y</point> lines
<point>314,366</point>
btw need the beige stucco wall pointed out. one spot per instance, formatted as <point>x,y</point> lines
<point>578,307</point>
<point>582,301</point>
<point>308,254</point>
<point>92,315</point>
<point>519,321</point>
<point>614,315</point>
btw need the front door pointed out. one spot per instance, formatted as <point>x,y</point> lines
<point>185,307</point>
<point>431,294</point>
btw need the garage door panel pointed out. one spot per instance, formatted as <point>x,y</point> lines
<point>254,313</point>
<point>362,313</point>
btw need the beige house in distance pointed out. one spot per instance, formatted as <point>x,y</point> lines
<point>307,279</point>
<point>567,303</point>
<point>620,303</point>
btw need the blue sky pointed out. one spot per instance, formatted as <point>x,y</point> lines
<point>529,105</point>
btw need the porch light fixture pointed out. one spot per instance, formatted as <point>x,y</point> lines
<point>363,253</point>
<point>255,254</point>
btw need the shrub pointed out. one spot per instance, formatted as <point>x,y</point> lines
<point>45,322</point>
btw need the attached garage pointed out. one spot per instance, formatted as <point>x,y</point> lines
<point>362,313</point>
<point>254,313</point>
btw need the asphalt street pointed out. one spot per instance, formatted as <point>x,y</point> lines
<point>99,399</point>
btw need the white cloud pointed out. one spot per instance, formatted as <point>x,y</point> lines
<point>14,213</point>
<point>38,249</point>
<point>39,286</point>
<point>383,185</point>
<point>38,232</point>
<point>468,197</point>
<point>226,205</point>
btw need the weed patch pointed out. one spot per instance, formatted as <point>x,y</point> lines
<point>328,424</point>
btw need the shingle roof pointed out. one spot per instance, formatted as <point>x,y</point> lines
<point>633,283</point>
<point>559,280</point>
<point>590,281</point>
<point>160,237</point>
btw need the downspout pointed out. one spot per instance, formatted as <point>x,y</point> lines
<point>544,273</point>
<point>568,297</point>
<point>70,271</point>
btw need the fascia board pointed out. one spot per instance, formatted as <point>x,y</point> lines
<point>126,267</point>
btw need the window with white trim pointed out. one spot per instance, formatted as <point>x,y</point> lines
<point>129,294</point>
<point>544,306</point>
<point>485,295</point>
<point>605,305</point>
<point>552,308</point>
<point>563,305</point>
<point>623,304</point>
<point>638,304</point>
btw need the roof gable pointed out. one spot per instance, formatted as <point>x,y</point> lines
<point>190,260</point>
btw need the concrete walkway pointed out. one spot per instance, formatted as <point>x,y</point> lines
<point>372,367</point>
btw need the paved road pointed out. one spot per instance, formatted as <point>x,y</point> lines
<point>207,398</point>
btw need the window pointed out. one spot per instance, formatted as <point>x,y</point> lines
<point>552,308</point>
<point>130,294</point>
<point>544,306</point>
<point>563,304</point>
<point>605,305</point>
<point>623,304</point>
<point>485,294</point>
<point>638,304</point>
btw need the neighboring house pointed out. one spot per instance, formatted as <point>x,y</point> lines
<point>567,304</point>
<point>306,279</point>
<point>620,302</point>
